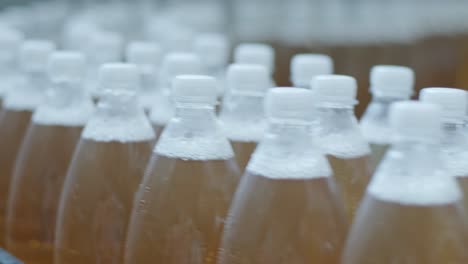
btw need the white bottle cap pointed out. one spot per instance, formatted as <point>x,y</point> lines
<point>389,80</point>
<point>180,63</point>
<point>194,89</point>
<point>335,89</point>
<point>119,76</point>
<point>143,53</point>
<point>452,101</point>
<point>255,53</point>
<point>304,67</point>
<point>289,103</point>
<point>248,79</point>
<point>213,49</point>
<point>107,46</point>
<point>34,55</point>
<point>417,120</point>
<point>66,66</point>
<point>10,41</point>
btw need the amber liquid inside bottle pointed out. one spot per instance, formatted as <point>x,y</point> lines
<point>388,232</point>
<point>352,176</point>
<point>284,221</point>
<point>97,200</point>
<point>36,187</point>
<point>180,210</point>
<point>243,151</point>
<point>13,126</point>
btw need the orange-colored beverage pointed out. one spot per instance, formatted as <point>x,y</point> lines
<point>43,161</point>
<point>105,172</point>
<point>18,105</point>
<point>181,205</point>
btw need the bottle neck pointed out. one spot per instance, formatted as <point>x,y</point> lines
<point>149,82</point>
<point>66,94</point>
<point>242,108</point>
<point>193,134</point>
<point>119,104</point>
<point>37,81</point>
<point>339,118</point>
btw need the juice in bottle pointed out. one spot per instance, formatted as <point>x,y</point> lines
<point>241,115</point>
<point>19,103</point>
<point>181,205</point>
<point>389,84</point>
<point>287,208</point>
<point>412,211</point>
<point>104,174</point>
<point>340,137</point>
<point>43,160</point>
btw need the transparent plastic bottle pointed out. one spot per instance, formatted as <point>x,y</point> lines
<point>341,138</point>
<point>213,50</point>
<point>43,160</point>
<point>454,152</point>
<point>256,53</point>
<point>10,41</point>
<point>304,67</point>
<point>287,208</point>
<point>242,116</point>
<point>18,105</point>
<point>103,47</point>
<point>104,174</point>
<point>173,64</point>
<point>181,205</point>
<point>147,56</point>
<point>412,211</point>
<point>389,84</point>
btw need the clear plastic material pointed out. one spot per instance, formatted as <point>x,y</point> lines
<point>147,56</point>
<point>389,84</point>
<point>104,174</point>
<point>287,208</point>
<point>18,105</point>
<point>181,205</point>
<point>412,211</point>
<point>174,64</point>
<point>43,161</point>
<point>454,148</point>
<point>341,139</point>
<point>242,116</point>
<point>10,40</point>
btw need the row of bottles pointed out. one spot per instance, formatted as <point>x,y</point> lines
<point>136,163</point>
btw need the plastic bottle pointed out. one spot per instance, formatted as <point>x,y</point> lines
<point>389,84</point>
<point>213,50</point>
<point>242,116</point>
<point>340,137</point>
<point>173,64</point>
<point>304,67</point>
<point>10,41</point>
<point>412,211</point>
<point>105,172</point>
<point>147,56</point>
<point>18,105</point>
<point>181,205</point>
<point>104,47</point>
<point>454,140</point>
<point>43,160</point>
<point>287,208</point>
<point>256,53</point>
